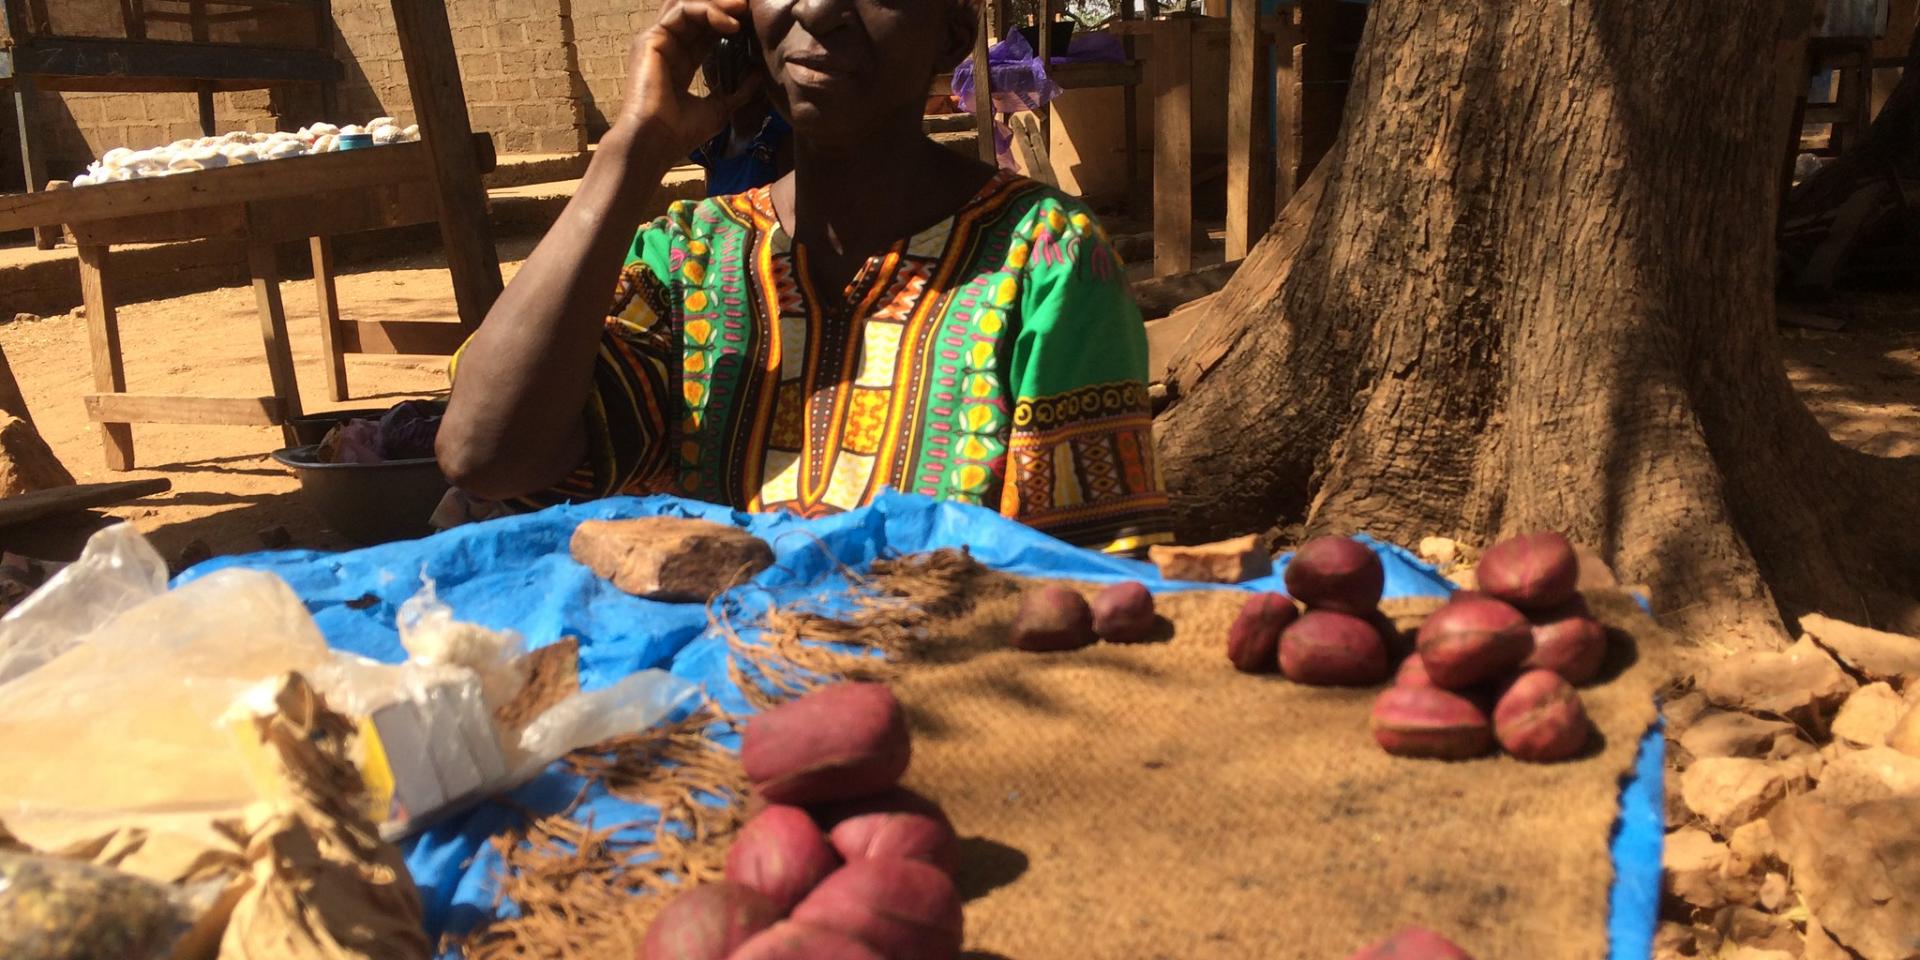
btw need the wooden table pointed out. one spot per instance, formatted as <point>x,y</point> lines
<point>263,205</point>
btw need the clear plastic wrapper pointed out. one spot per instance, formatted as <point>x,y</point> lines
<point>117,571</point>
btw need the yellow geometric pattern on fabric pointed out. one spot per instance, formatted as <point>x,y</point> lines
<point>867,420</point>
<point>789,418</point>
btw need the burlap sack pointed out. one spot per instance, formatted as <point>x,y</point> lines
<point>1148,801</point>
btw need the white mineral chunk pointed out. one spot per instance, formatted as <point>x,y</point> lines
<point>378,122</point>
<point>350,129</point>
<point>411,133</point>
<point>83,180</point>
<point>386,134</point>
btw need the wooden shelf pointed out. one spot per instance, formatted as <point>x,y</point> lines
<point>152,66</point>
<point>226,186</point>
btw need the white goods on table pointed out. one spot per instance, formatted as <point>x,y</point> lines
<point>233,149</point>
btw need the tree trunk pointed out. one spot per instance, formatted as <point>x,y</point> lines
<point>1533,289</point>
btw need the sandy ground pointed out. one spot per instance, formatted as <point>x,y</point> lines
<point>1863,384</point>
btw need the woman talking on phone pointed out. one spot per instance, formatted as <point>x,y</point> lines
<point>889,314</point>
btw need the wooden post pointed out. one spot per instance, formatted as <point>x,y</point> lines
<point>1044,35</point>
<point>103,339</point>
<point>33,160</point>
<point>1249,174</point>
<point>1170,69</point>
<point>983,94</point>
<point>440,105</point>
<point>264,266</point>
<point>1130,104</point>
<point>329,297</point>
<point>1286,111</point>
<point>197,24</point>
<point>12,401</point>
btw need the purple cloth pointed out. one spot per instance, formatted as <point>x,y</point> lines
<point>1020,81</point>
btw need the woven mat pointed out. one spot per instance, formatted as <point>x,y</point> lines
<point>1148,801</point>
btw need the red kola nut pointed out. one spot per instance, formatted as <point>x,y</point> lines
<point>1253,642</point>
<point>708,922</point>
<point>1123,613</point>
<point>1473,640</point>
<point>1430,722</point>
<point>899,825</point>
<point>902,908</point>
<point>1533,571</point>
<point>1540,718</point>
<point>788,940</point>
<point>780,854</point>
<point>1338,574</point>
<point>1412,673</point>
<point>1053,618</point>
<point>1327,649</point>
<point>841,742</point>
<point>1570,642</point>
<point>1413,943</point>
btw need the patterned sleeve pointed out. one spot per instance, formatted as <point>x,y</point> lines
<point>635,381</point>
<point>1080,459</point>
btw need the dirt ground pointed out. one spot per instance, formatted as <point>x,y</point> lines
<point>1863,383</point>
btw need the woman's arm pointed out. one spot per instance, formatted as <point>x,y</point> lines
<point>514,424</point>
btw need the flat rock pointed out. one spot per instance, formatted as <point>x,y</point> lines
<point>1229,561</point>
<point>1729,733</point>
<point>1744,926</point>
<point>1696,870</point>
<point>1801,683</point>
<point>1729,792</point>
<point>670,558</point>
<point>1876,773</point>
<point>1679,941</point>
<point>1752,844</point>
<point>1855,868</point>
<point>1821,946</point>
<point>1683,711</point>
<point>1905,735</point>
<point>1869,715</point>
<point>1874,654</point>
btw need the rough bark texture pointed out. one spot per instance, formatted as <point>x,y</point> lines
<point>1534,290</point>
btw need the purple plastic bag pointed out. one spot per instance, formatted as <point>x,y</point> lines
<point>1020,81</point>
<point>407,430</point>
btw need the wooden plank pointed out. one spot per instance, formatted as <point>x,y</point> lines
<point>339,213</point>
<point>1029,144</point>
<point>133,19</point>
<point>274,179</point>
<point>1081,76</point>
<point>1249,175</point>
<point>198,411</point>
<point>265,268</point>
<point>81,57</point>
<point>173,225</point>
<point>41,504</point>
<point>331,355</point>
<point>983,94</point>
<point>440,104</point>
<point>33,156</point>
<point>1043,35</point>
<point>1170,75</point>
<point>407,337</point>
<point>1286,78</point>
<point>103,339</point>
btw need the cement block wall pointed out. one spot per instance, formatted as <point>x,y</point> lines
<point>520,60</point>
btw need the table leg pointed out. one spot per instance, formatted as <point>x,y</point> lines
<point>103,337</point>
<point>335,360</point>
<point>440,103</point>
<point>983,94</point>
<point>265,268</point>
<point>33,158</point>
<point>1249,168</point>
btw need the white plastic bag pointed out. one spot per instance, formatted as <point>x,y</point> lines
<point>118,571</point>
<point>637,702</point>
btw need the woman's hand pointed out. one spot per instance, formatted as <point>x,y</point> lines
<point>660,109</point>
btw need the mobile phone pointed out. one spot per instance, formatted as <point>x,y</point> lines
<point>731,60</point>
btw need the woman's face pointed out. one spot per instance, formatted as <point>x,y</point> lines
<point>842,69</point>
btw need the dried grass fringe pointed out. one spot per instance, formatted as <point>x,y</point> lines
<point>581,892</point>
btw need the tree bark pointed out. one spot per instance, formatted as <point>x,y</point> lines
<point>1533,290</point>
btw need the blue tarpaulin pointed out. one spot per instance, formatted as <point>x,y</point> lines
<point>516,574</point>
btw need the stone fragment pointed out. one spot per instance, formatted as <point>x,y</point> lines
<point>1874,654</point>
<point>1773,892</point>
<point>670,558</point>
<point>1595,574</point>
<point>1229,561</point>
<point>1696,869</point>
<point>1729,733</point>
<point>1730,792</point>
<point>1801,683</point>
<point>1683,711</point>
<point>1905,736</point>
<point>1442,552</point>
<point>1869,716</point>
<point>1752,844</point>
<point>1876,773</point>
<point>1680,941</point>
<point>1746,927</point>
<point>1820,945</point>
<point>1854,867</point>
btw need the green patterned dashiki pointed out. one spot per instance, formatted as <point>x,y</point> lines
<point>994,359</point>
